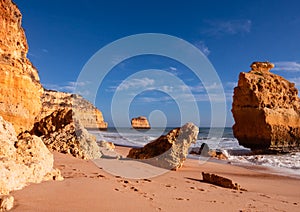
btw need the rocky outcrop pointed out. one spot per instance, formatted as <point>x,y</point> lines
<point>89,116</point>
<point>107,145</point>
<point>62,133</point>
<point>220,181</point>
<point>140,122</point>
<point>168,151</point>
<point>23,160</point>
<point>266,110</point>
<point>204,151</point>
<point>6,202</point>
<point>20,89</point>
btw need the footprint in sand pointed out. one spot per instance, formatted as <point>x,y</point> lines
<point>97,176</point>
<point>170,186</point>
<point>264,195</point>
<point>133,188</point>
<point>180,198</point>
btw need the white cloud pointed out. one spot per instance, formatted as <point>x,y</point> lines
<point>230,85</point>
<point>69,87</point>
<point>135,83</point>
<point>295,80</point>
<point>287,66</point>
<point>202,47</point>
<point>231,27</point>
<point>200,88</point>
<point>173,68</point>
<point>164,99</point>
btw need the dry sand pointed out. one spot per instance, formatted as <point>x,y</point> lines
<point>89,188</point>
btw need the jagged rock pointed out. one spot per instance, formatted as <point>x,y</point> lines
<point>218,154</point>
<point>168,151</point>
<point>220,181</point>
<point>6,202</point>
<point>62,133</point>
<point>107,145</point>
<point>20,88</point>
<point>89,116</point>
<point>23,160</point>
<point>140,122</point>
<point>266,110</point>
<point>204,151</point>
<point>55,174</point>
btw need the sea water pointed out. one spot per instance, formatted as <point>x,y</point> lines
<point>222,139</point>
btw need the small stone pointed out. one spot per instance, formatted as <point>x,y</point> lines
<point>6,202</point>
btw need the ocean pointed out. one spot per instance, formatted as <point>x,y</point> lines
<point>284,164</point>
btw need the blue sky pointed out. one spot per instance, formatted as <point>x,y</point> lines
<point>63,35</point>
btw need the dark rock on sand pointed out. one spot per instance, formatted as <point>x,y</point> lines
<point>219,181</point>
<point>204,151</point>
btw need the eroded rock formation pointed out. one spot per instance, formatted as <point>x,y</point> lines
<point>6,202</point>
<point>168,151</point>
<point>20,89</point>
<point>62,133</point>
<point>23,160</point>
<point>205,151</point>
<point>266,110</point>
<point>140,122</point>
<point>220,181</point>
<point>89,116</point>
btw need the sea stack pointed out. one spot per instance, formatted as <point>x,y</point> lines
<point>266,110</point>
<point>140,122</point>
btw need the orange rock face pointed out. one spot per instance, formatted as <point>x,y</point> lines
<point>266,110</point>
<point>89,116</point>
<point>20,89</point>
<point>140,123</point>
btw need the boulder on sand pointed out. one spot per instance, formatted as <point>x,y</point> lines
<point>62,133</point>
<point>23,159</point>
<point>168,151</point>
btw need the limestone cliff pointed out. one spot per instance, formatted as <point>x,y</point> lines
<point>89,116</point>
<point>266,110</point>
<point>20,89</point>
<point>140,122</point>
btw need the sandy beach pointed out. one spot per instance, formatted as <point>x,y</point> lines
<point>89,188</point>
